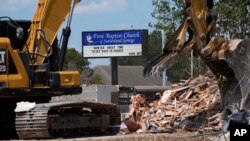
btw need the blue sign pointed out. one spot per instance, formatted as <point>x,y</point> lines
<point>112,43</point>
<point>111,37</point>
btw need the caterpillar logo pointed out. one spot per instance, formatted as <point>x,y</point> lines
<point>2,61</point>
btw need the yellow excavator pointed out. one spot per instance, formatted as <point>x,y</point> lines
<point>228,60</point>
<point>31,69</point>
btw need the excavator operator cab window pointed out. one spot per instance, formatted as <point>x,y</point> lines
<point>17,34</point>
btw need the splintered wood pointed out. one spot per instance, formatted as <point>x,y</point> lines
<point>192,105</point>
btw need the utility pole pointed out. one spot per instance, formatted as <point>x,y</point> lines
<point>164,75</point>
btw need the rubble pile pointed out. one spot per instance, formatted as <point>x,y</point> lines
<point>191,105</point>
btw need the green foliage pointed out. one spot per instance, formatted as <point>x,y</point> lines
<point>132,61</point>
<point>154,47</point>
<point>98,79</point>
<point>74,60</point>
<point>153,50</point>
<point>169,15</point>
<point>89,77</point>
<point>182,68</point>
<point>233,17</point>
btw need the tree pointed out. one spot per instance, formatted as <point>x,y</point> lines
<point>153,50</point>
<point>89,77</point>
<point>182,69</point>
<point>74,60</point>
<point>154,47</point>
<point>169,15</point>
<point>233,18</point>
<point>132,61</point>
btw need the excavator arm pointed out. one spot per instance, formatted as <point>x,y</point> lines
<point>48,18</point>
<point>197,26</point>
<point>229,61</point>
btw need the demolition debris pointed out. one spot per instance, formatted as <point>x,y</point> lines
<point>191,105</point>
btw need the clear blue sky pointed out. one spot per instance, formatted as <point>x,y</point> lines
<point>91,15</point>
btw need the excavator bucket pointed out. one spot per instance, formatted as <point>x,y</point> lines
<point>238,59</point>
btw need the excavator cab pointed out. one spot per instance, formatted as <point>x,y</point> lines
<point>14,64</point>
<point>18,72</point>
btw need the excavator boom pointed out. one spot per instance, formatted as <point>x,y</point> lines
<point>47,20</point>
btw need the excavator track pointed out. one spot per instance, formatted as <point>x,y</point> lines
<point>68,119</point>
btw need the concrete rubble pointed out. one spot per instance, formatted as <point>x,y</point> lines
<point>190,105</point>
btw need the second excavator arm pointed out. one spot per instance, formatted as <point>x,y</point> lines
<point>197,26</point>
<point>229,61</point>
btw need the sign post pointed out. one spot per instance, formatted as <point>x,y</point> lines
<point>114,71</point>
